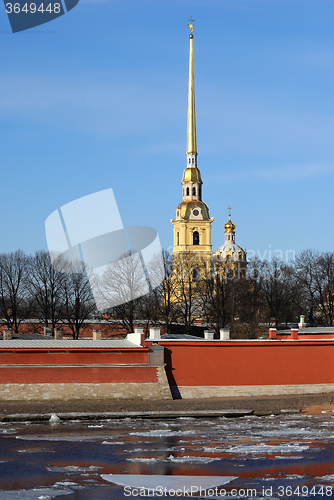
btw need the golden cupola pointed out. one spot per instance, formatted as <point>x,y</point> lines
<point>191,175</point>
<point>229,226</point>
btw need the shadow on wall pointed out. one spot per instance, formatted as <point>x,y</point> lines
<point>169,371</point>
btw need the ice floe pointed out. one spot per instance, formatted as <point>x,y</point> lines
<point>266,448</point>
<point>33,494</point>
<point>174,482</point>
<point>172,458</point>
<point>74,468</point>
<point>113,442</point>
<point>329,477</point>
<point>162,433</point>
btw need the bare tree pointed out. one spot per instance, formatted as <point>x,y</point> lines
<point>218,296</point>
<point>163,297</point>
<point>46,287</point>
<point>305,271</point>
<point>79,304</point>
<point>276,290</point>
<point>250,306</point>
<point>189,273</point>
<point>120,288</point>
<point>14,306</point>
<point>324,278</point>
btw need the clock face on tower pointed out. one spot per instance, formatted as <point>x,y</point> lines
<point>196,213</point>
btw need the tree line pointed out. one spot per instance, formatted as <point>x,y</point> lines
<point>271,292</point>
<point>32,288</point>
<point>225,294</point>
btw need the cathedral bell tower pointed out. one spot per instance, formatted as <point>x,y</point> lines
<point>192,223</point>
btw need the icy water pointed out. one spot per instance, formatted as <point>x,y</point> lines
<point>288,456</point>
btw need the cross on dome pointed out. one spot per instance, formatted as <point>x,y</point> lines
<point>229,226</point>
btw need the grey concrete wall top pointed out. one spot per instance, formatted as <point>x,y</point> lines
<point>47,343</point>
<point>309,330</point>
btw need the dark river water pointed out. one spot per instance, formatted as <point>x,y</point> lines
<point>288,456</point>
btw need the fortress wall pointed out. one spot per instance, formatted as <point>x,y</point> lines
<point>231,368</point>
<point>39,374</point>
<point>73,356</point>
<point>249,368</point>
<point>68,374</point>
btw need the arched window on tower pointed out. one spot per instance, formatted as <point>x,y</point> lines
<point>194,191</point>
<point>193,160</point>
<point>177,239</point>
<point>189,160</point>
<point>187,191</point>
<point>199,191</point>
<point>195,238</point>
<point>195,274</point>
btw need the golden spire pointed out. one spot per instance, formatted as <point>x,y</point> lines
<point>191,133</point>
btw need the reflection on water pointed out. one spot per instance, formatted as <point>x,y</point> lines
<point>40,461</point>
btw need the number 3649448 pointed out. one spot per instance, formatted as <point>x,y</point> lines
<point>32,8</point>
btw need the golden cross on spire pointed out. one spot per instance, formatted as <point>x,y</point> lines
<point>190,21</point>
<point>229,210</point>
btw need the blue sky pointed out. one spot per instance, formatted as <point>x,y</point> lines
<point>98,98</point>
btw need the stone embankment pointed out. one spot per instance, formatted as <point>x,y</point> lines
<point>228,407</point>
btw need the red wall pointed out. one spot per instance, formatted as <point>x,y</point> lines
<point>249,363</point>
<point>77,374</point>
<point>308,336</point>
<point>24,366</point>
<point>78,356</point>
<point>197,363</point>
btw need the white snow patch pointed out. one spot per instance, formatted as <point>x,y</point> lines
<point>54,418</point>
